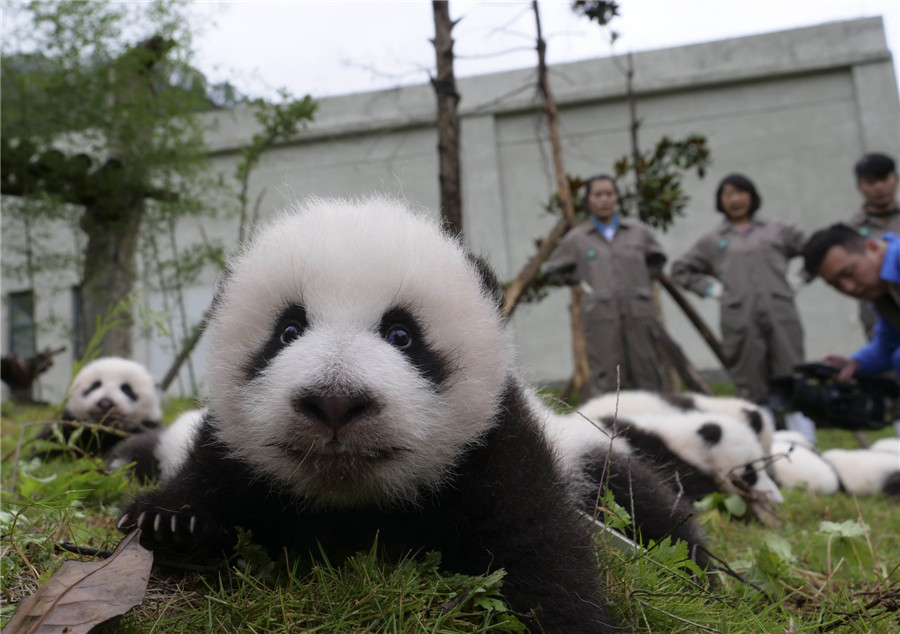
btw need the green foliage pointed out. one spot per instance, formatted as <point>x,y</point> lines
<point>727,504</point>
<point>599,11</point>
<point>831,564</point>
<point>656,195</point>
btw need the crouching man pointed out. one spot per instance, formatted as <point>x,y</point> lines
<point>867,269</point>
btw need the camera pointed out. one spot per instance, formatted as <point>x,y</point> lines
<point>813,389</point>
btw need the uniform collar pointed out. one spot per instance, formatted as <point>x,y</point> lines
<point>614,224</point>
<point>726,226</point>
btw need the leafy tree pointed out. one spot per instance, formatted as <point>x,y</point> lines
<point>100,137</point>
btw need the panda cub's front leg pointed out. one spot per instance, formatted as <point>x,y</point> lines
<point>185,515</point>
<point>163,527</point>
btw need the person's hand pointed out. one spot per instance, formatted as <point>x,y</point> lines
<point>847,367</point>
<point>714,290</point>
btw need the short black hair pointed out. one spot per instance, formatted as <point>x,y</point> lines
<point>874,165</point>
<point>744,184</point>
<point>599,177</point>
<point>822,241</point>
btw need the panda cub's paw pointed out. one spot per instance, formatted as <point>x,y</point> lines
<point>161,527</point>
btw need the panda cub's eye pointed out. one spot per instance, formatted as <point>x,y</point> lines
<point>128,391</point>
<point>291,331</point>
<point>399,337</point>
<point>94,386</point>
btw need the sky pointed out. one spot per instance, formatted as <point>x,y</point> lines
<point>335,47</point>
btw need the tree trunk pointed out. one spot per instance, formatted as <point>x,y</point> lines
<point>447,118</point>
<point>112,227</point>
<point>694,318</point>
<point>581,373</point>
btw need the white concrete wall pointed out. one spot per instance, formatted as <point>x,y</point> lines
<point>793,110</point>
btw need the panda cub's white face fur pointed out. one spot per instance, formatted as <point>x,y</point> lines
<point>113,388</point>
<point>354,353</point>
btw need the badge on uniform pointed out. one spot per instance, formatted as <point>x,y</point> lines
<point>722,244</point>
<point>591,254</point>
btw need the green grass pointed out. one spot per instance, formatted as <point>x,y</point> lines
<point>827,567</point>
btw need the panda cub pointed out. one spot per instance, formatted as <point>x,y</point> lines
<point>694,448</point>
<point>631,402</point>
<point>158,453</point>
<point>866,471</point>
<point>115,392</point>
<point>592,459</point>
<point>360,386</point>
<point>795,463</point>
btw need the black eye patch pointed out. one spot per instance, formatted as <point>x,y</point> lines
<point>400,329</point>
<point>710,433</point>
<point>289,326</point>
<point>94,386</point>
<point>749,476</point>
<point>128,391</point>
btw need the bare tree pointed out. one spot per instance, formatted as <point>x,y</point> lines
<point>447,118</point>
<point>581,376</point>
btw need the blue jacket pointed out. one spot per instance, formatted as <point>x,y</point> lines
<point>883,351</point>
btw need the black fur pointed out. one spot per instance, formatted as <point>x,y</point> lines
<point>657,511</point>
<point>891,486</point>
<point>94,442</point>
<point>710,433</point>
<point>293,316</point>
<point>505,506</point>
<point>139,450</point>
<point>430,364</point>
<point>684,402</point>
<point>689,481</point>
<point>489,282</point>
<point>755,419</point>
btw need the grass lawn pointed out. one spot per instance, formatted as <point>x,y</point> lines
<point>832,565</point>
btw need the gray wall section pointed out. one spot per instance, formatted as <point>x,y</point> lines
<point>793,110</point>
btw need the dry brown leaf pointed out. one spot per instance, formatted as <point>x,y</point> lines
<point>83,594</point>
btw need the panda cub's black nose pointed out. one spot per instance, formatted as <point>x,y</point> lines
<point>334,411</point>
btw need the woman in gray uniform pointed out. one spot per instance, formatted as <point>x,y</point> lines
<point>613,259</point>
<point>743,263</point>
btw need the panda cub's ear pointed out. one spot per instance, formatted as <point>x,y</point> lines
<point>489,282</point>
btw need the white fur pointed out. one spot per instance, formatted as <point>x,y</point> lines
<point>580,433</point>
<point>347,263</point>
<point>793,437</point>
<point>113,373</point>
<point>739,408</point>
<point>571,435</point>
<point>638,402</point>
<point>738,446</point>
<point>886,444</point>
<point>175,442</point>
<point>796,463</point>
<point>863,471</point>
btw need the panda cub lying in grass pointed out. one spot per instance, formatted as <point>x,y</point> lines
<point>361,385</point>
<point>694,439</point>
<point>115,392</point>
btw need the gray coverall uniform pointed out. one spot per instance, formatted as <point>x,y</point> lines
<point>618,312</point>
<point>762,336</point>
<point>871,226</point>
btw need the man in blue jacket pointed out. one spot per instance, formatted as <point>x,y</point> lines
<point>867,269</point>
